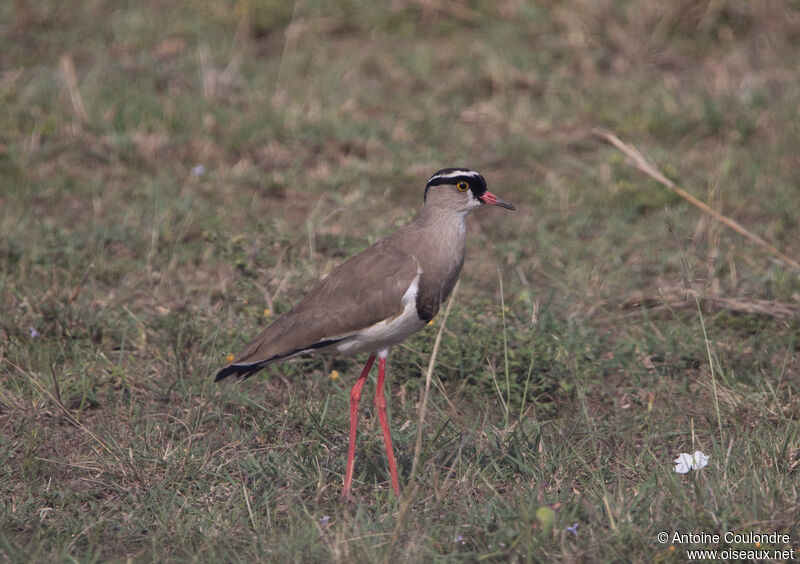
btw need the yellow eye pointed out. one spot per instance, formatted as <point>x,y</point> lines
<point>462,186</point>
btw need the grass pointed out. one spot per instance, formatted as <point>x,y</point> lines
<point>632,327</point>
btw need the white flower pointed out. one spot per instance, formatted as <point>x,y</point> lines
<point>686,462</point>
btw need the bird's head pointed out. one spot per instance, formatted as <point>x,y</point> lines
<point>460,189</point>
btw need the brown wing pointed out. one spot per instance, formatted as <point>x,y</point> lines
<point>360,292</point>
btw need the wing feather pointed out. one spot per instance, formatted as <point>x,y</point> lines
<point>360,292</point>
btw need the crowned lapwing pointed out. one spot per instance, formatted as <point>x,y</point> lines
<point>379,297</point>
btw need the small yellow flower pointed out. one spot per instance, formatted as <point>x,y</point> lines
<point>671,548</point>
<point>431,322</point>
<point>333,375</point>
<point>758,544</point>
<point>267,312</point>
<point>229,357</point>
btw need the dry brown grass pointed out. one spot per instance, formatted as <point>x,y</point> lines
<point>140,275</point>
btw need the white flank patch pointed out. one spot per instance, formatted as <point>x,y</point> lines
<point>386,333</point>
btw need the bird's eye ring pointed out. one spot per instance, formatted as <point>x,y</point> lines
<point>462,186</point>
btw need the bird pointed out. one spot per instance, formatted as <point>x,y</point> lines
<point>379,297</point>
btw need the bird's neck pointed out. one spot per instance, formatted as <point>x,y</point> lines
<point>444,231</point>
<point>439,244</point>
<point>435,217</point>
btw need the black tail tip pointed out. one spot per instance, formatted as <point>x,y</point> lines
<point>241,372</point>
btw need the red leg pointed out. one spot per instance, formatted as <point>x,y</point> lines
<point>355,397</point>
<point>380,403</point>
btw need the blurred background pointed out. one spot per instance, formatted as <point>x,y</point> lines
<point>173,175</point>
